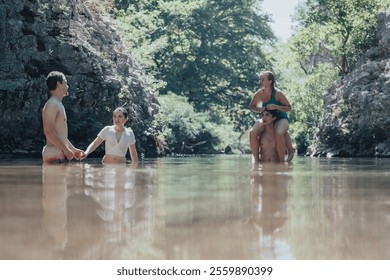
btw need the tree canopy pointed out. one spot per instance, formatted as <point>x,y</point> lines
<point>335,31</point>
<point>206,50</point>
<point>210,53</point>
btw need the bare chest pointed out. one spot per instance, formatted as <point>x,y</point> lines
<point>268,141</point>
<point>61,115</point>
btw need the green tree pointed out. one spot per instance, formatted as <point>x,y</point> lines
<point>332,35</point>
<point>206,50</point>
<point>307,99</point>
<point>335,31</point>
<point>215,50</point>
<point>305,93</point>
<point>182,130</point>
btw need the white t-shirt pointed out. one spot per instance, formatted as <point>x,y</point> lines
<point>112,146</point>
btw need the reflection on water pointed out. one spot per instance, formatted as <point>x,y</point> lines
<point>94,211</point>
<point>218,207</point>
<point>269,208</point>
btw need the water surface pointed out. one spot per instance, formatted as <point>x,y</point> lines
<point>218,207</point>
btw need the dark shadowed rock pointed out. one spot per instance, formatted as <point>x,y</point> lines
<point>356,117</point>
<point>37,37</point>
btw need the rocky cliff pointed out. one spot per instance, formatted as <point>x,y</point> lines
<point>71,36</point>
<point>356,119</point>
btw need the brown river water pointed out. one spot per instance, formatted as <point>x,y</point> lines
<point>211,207</point>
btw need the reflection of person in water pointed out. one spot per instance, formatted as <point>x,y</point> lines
<point>127,204</point>
<point>54,198</point>
<point>113,188</point>
<point>127,210</point>
<point>90,212</point>
<point>269,201</point>
<point>69,217</point>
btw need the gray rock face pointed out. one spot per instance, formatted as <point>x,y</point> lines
<point>37,37</point>
<point>356,117</point>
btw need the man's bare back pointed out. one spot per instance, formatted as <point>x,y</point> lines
<point>55,127</point>
<point>53,105</point>
<point>54,123</point>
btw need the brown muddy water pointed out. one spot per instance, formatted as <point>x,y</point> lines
<point>214,207</point>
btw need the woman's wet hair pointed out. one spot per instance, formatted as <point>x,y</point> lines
<point>123,110</point>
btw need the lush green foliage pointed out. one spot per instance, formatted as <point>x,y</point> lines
<point>335,31</point>
<point>206,50</point>
<point>181,130</point>
<point>210,52</point>
<point>305,93</point>
<point>331,36</point>
<point>307,98</point>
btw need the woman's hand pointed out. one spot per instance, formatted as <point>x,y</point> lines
<point>271,107</point>
<point>83,156</point>
<point>77,153</point>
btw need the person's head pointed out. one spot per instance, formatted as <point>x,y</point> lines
<point>120,116</point>
<point>267,78</point>
<point>53,78</point>
<point>269,116</point>
<point>57,80</point>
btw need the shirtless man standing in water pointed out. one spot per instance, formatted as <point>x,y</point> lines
<point>268,151</point>
<point>55,127</point>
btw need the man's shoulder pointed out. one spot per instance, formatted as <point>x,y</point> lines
<point>51,105</point>
<point>52,102</point>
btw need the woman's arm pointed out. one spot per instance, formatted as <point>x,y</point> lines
<point>285,107</point>
<point>256,100</point>
<point>92,147</point>
<point>133,154</point>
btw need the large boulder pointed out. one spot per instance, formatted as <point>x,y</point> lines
<point>71,36</point>
<point>356,118</point>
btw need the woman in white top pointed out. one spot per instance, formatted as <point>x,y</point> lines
<point>118,138</point>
